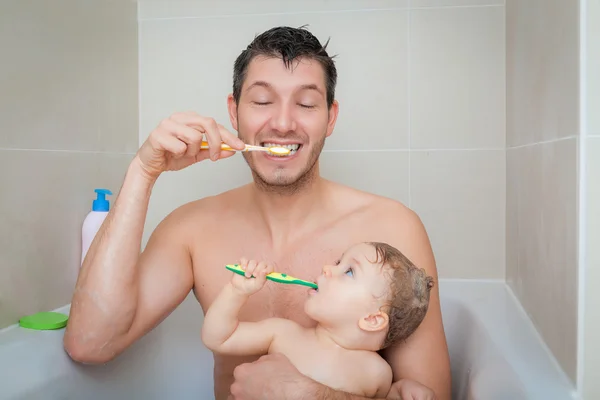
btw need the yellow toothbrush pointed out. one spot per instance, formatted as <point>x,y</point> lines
<point>277,150</point>
<point>274,276</point>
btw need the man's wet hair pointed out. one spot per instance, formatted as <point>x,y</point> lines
<point>288,44</point>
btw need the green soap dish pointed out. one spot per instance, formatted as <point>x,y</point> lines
<point>44,321</point>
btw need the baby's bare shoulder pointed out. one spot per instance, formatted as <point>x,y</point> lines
<point>285,329</point>
<point>287,335</point>
<point>286,326</point>
<point>375,375</point>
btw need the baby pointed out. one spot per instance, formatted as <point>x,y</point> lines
<point>372,298</point>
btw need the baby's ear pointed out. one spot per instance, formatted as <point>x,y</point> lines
<point>374,322</point>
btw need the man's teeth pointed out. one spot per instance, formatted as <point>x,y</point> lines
<point>292,147</point>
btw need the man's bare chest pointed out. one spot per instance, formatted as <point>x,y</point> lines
<point>303,259</point>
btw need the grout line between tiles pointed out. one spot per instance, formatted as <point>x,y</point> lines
<point>120,153</point>
<point>408,8</point>
<point>543,142</point>
<point>456,6</point>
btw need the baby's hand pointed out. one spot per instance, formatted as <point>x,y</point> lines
<point>409,389</point>
<point>246,284</point>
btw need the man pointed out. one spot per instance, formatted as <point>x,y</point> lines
<point>283,93</point>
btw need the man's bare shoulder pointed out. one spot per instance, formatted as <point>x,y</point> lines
<point>379,209</point>
<point>181,225</point>
<point>393,215</point>
<point>389,220</point>
<point>403,228</point>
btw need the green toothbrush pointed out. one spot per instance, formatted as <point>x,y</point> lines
<point>274,276</point>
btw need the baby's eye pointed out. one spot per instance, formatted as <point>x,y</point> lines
<point>337,262</point>
<point>349,270</point>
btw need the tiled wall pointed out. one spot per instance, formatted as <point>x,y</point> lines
<point>68,124</point>
<point>591,355</point>
<point>542,142</point>
<point>421,91</point>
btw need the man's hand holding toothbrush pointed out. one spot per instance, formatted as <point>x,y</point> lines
<point>175,143</point>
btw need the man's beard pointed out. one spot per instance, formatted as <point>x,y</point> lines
<point>282,183</point>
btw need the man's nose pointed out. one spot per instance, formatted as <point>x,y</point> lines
<point>283,119</point>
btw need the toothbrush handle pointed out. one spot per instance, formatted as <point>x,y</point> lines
<point>275,277</point>
<point>204,145</point>
<point>293,281</point>
<point>249,147</point>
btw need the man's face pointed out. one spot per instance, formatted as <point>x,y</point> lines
<point>283,106</point>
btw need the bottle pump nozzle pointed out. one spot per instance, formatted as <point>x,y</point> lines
<point>101,204</point>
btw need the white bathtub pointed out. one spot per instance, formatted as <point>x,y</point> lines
<point>495,354</point>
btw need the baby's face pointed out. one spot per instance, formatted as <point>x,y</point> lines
<point>349,290</point>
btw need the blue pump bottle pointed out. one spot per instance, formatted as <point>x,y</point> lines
<point>93,221</point>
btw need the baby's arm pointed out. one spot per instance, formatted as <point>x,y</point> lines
<point>222,332</point>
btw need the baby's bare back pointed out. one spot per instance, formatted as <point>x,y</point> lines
<point>243,234</point>
<point>331,365</point>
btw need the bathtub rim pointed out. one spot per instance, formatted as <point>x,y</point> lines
<point>547,373</point>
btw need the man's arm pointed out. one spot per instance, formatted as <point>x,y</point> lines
<point>222,332</point>
<point>120,295</point>
<point>273,377</point>
<point>424,356</point>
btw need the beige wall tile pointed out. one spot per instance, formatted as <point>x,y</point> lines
<point>69,85</point>
<point>457,78</point>
<point>205,8</point>
<point>372,87</point>
<point>591,366</point>
<point>202,83</point>
<point>513,180</point>
<point>460,196</point>
<point>45,197</point>
<point>541,70</point>
<point>383,173</point>
<point>545,279</point>
<point>528,181</point>
<point>69,76</point>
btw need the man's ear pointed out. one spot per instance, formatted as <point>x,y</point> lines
<point>333,114</point>
<point>232,108</point>
<point>374,322</point>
